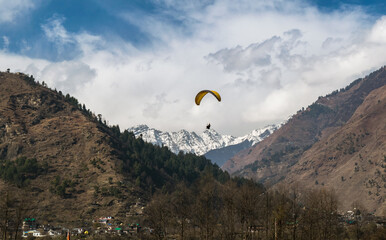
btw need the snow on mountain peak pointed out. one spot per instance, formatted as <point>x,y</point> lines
<point>191,142</point>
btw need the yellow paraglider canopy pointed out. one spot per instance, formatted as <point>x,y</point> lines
<point>202,93</point>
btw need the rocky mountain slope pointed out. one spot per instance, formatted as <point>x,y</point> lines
<point>67,166</point>
<point>351,160</point>
<point>339,142</point>
<point>221,147</point>
<point>36,122</point>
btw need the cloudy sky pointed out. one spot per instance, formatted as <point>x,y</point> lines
<point>143,61</point>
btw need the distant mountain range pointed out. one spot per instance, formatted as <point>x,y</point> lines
<point>219,148</point>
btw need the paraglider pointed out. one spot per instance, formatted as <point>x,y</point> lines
<point>202,94</point>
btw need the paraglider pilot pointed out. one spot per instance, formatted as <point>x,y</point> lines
<point>208,126</point>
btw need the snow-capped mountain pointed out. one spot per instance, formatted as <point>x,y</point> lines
<point>191,142</point>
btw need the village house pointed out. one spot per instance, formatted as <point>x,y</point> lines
<point>105,220</point>
<point>34,233</point>
<point>52,232</point>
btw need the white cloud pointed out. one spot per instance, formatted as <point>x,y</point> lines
<point>239,59</point>
<point>67,76</point>
<point>11,9</point>
<point>55,31</point>
<point>5,42</point>
<point>267,60</point>
<point>378,32</point>
<point>152,109</point>
<point>23,64</point>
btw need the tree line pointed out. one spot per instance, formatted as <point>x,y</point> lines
<point>210,210</point>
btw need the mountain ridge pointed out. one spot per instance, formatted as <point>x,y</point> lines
<point>200,144</point>
<point>285,154</point>
<point>352,160</point>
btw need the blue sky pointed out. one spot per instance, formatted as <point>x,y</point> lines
<point>98,17</point>
<point>142,61</point>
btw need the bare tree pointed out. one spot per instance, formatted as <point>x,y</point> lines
<point>181,207</point>
<point>248,206</point>
<point>207,207</point>
<point>228,215</point>
<point>158,214</point>
<point>294,195</point>
<point>6,205</point>
<point>359,211</point>
<point>320,220</point>
<point>281,212</point>
<point>12,211</point>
